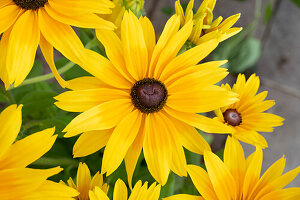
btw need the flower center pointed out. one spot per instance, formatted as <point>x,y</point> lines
<point>30,4</point>
<point>149,95</point>
<point>232,117</point>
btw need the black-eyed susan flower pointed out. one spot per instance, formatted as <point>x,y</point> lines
<point>238,178</point>
<point>139,192</point>
<point>17,181</point>
<point>85,183</point>
<point>25,24</point>
<point>145,97</point>
<point>205,28</point>
<point>247,116</point>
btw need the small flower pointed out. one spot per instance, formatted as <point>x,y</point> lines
<point>204,27</point>
<point>146,97</point>
<point>25,24</point>
<point>139,192</point>
<point>238,178</point>
<point>247,116</point>
<point>16,180</point>
<point>85,183</point>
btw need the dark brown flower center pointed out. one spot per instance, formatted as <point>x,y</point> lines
<point>232,117</point>
<point>149,95</point>
<point>30,4</point>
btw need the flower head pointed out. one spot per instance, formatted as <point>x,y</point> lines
<point>238,178</point>
<point>85,183</point>
<point>25,24</point>
<point>204,27</point>
<point>139,192</point>
<point>17,181</point>
<point>247,116</point>
<point>146,97</point>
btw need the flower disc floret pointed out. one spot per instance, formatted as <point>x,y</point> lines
<point>30,4</point>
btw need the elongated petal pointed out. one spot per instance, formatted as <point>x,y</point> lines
<point>120,191</point>
<point>252,137</point>
<point>85,83</point>
<point>3,52</point>
<point>134,46</point>
<point>47,50</point>
<point>157,149</point>
<point>97,194</point>
<point>62,37</point>
<point>22,47</point>
<point>83,180</point>
<point>100,117</point>
<point>286,194</point>
<point>8,16</point>
<point>183,196</point>
<point>221,178</point>
<point>203,123</point>
<point>82,100</point>
<point>87,20</point>
<point>149,35</point>
<point>202,182</point>
<point>10,120</point>
<point>121,139</point>
<point>28,150</point>
<point>5,3</point>
<point>90,142</point>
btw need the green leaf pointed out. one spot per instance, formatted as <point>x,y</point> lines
<point>168,189</point>
<point>297,2</point>
<point>268,12</point>
<point>168,10</point>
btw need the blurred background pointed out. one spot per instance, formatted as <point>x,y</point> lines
<point>269,47</point>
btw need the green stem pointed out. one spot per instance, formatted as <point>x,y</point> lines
<point>52,162</point>
<point>7,95</point>
<point>65,68</point>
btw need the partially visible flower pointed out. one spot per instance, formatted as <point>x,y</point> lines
<point>238,178</point>
<point>27,24</point>
<point>85,183</point>
<point>204,27</point>
<point>247,116</point>
<point>17,181</point>
<point>145,96</point>
<point>139,192</point>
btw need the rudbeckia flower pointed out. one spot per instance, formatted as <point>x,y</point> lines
<point>145,97</point>
<point>85,183</point>
<point>139,192</point>
<point>247,116</point>
<point>205,28</point>
<point>17,181</point>
<point>238,178</point>
<point>25,24</point>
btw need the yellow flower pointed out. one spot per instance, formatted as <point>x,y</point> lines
<point>139,192</point>
<point>25,24</point>
<point>238,178</point>
<point>146,97</point>
<point>85,183</point>
<point>204,27</point>
<point>17,181</point>
<point>247,116</point>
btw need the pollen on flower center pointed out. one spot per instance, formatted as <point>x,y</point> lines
<point>149,95</point>
<point>30,4</point>
<point>232,117</point>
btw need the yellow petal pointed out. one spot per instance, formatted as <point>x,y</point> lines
<point>121,139</point>
<point>87,20</point>
<point>157,149</point>
<point>202,182</point>
<point>85,83</point>
<point>97,181</point>
<point>5,3</point>
<point>10,120</point>
<point>97,194</point>
<point>201,122</point>
<point>120,191</point>
<point>114,51</point>
<point>28,150</point>
<point>22,47</point>
<point>8,16</point>
<point>100,117</point>
<point>184,196</point>
<point>134,46</point>
<point>83,181</point>
<point>220,176</point>
<point>90,142</point>
<point>134,152</point>
<point>3,52</point>
<point>82,100</point>
<point>62,37</point>
<point>47,50</point>
<point>286,194</point>
<point>251,137</point>
<point>149,35</point>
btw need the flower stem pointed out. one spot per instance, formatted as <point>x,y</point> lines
<point>51,162</point>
